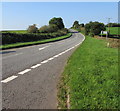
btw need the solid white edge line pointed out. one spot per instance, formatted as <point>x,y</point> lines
<point>45,61</point>
<point>9,79</point>
<point>56,55</point>
<point>35,66</point>
<point>50,58</point>
<point>25,71</point>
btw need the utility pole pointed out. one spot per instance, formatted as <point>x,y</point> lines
<point>109,24</point>
<point>108,31</point>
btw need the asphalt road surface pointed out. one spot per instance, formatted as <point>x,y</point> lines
<point>30,74</point>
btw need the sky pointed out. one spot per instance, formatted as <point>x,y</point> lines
<point>19,15</point>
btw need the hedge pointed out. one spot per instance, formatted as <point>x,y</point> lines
<point>9,38</point>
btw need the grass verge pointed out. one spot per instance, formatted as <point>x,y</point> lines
<point>34,42</point>
<point>90,77</point>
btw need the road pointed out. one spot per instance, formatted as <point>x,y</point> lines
<point>30,74</point>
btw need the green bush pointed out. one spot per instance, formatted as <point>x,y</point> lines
<point>44,29</point>
<point>64,31</point>
<point>48,29</point>
<point>32,29</point>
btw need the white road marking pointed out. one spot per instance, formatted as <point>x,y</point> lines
<point>45,61</point>
<point>44,47</point>
<point>56,55</point>
<point>50,58</point>
<point>25,71</point>
<point>9,79</point>
<point>35,66</point>
<point>12,55</point>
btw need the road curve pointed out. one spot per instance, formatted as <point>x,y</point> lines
<point>30,74</point>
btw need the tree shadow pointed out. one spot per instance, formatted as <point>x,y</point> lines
<point>5,52</point>
<point>75,32</point>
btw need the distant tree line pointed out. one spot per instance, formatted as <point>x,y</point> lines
<point>113,25</point>
<point>91,28</point>
<point>77,26</point>
<point>55,24</point>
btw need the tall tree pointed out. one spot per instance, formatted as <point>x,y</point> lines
<point>94,28</point>
<point>58,22</point>
<point>76,24</point>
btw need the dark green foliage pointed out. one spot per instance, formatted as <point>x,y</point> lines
<point>87,29</point>
<point>94,27</point>
<point>9,38</point>
<point>82,25</point>
<point>32,29</point>
<point>58,22</point>
<point>76,24</point>
<point>113,25</point>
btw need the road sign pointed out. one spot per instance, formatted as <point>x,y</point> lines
<point>104,32</point>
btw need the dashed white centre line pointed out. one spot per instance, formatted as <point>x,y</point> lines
<point>44,47</point>
<point>25,71</point>
<point>35,66</point>
<point>9,79</point>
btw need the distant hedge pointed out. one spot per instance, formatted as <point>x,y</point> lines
<point>9,38</point>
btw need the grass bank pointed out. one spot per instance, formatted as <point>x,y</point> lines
<point>90,79</point>
<point>8,46</point>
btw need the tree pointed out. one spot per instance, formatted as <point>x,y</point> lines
<point>113,25</point>
<point>82,25</point>
<point>94,28</point>
<point>76,24</point>
<point>58,22</point>
<point>32,29</point>
<point>87,28</point>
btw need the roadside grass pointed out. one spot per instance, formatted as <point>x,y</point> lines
<point>7,46</point>
<point>90,77</point>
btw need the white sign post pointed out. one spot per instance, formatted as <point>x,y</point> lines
<point>104,32</point>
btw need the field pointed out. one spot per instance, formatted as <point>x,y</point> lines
<point>15,31</point>
<point>114,30</point>
<point>90,77</point>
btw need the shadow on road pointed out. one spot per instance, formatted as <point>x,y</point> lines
<point>5,52</point>
<point>75,32</point>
